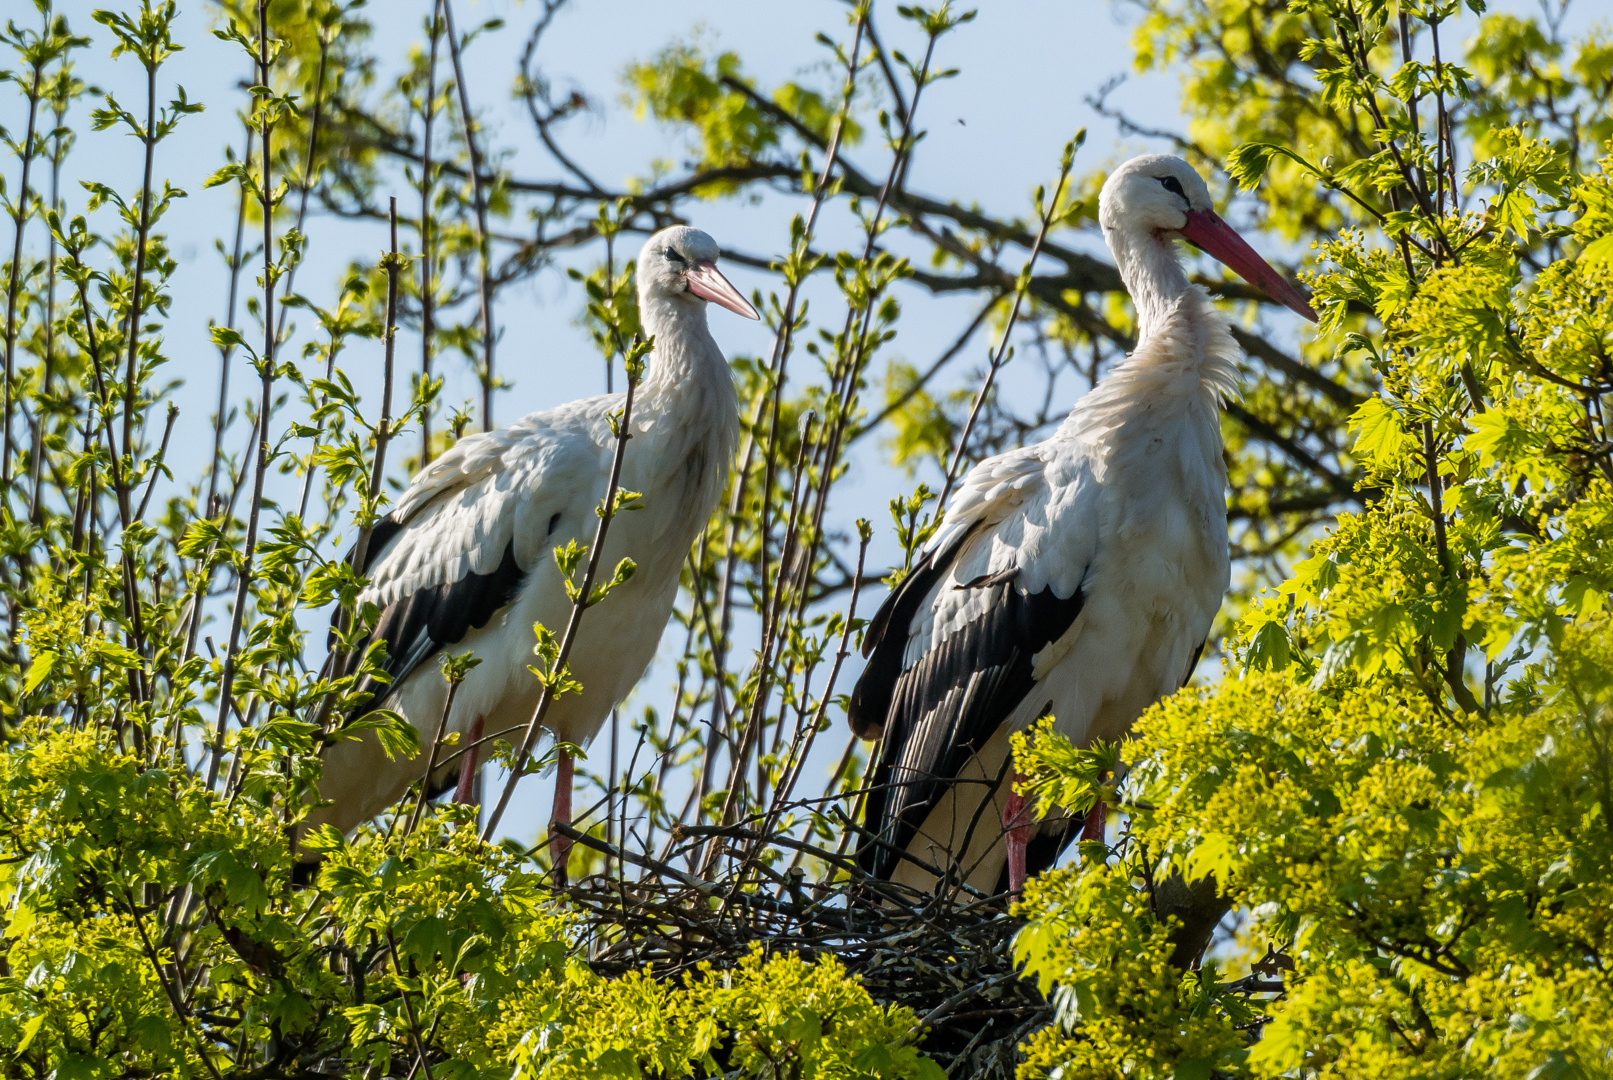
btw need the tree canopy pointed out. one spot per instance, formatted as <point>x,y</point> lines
<point>1376,840</point>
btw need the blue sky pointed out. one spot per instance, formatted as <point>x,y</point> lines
<point>994,134</point>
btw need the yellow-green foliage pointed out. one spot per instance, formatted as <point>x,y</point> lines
<point>1440,883</point>
<point>707,94</point>
<point>777,1016</point>
<point>458,937</point>
<point>1106,964</point>
<point>920,430</point>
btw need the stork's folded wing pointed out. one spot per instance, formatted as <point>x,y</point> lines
<point>950,654</point>
<point>471,528</point>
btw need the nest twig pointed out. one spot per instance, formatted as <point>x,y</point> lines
<point>947,955</point>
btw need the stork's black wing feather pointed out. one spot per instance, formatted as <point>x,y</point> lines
<point>944,707</point>
<point>418,626</point>
<point>1193,664</point>
<point>884,642</point>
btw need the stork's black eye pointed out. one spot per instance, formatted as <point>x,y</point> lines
<point>1172,185</point>
<point>673,256</point>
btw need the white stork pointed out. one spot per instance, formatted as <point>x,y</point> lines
<point>464,562</point>
<point>1076,577</point>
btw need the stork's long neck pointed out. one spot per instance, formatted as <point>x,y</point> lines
<point>688,381</point>
<point>1155,279</point>
<point>1178,329</point>
<point>686,358</point>
<point>686,419</point>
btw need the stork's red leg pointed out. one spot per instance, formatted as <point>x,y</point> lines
<point>466,793</point>
<point>1092,827</point>
<point>1016,832</point>
<point>560,846</point>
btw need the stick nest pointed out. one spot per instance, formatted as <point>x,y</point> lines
<point>947,956</point>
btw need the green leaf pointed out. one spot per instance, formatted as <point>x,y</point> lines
<point>1249,162</point>
<point>22,918</point>
<point>242,882</point>
<point>39,671</point>
<point>617,1063</point>
<point>1312,578</point>
<point>802,1026</point>
<point>1382,436</point>
<point>77,1067</point>
<point>324,839</point>
<point>1497,437</point>
<point>875,1059</point>
<point>152,1032</point>
<point>117,654</point>
<point>1599,250</point>
<point>224,335</point>
<point>1268,649</point>
<point>289,1009</point>
<point>1215,854</point>
<point>1581,597</point>
<point>398,737</point>
<point>30,1028</point>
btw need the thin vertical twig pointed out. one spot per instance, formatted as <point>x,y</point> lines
<point>431,758</point>
<point>266,370</point>
<point>427,298</point>
<point>383,429</point>
<point>226,351</point>
<point>305,188</point>
<point>1000,356</point>
<point>156,465</point>
<point>610,788</point>
<point>1457,654</point>
<point>408,1007</point>
<point>1431,476</point>
<point>305,183</point>
<point>1445,138</point>
<point>137,293</point>
<point>331,349</point>
<point>610,292</point>
<point>210,507</point>
<point>57,155</point>
<point>393,263</point>
<point>484,274</point>
<point>14,282</point>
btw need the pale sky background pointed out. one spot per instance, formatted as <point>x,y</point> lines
<point>995,132</point>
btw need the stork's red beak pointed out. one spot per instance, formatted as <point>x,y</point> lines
<point>1206,231</point>
<point>707,282</point>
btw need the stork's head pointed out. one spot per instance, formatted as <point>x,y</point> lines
<point>1158,195</point>
<point>680,263</point>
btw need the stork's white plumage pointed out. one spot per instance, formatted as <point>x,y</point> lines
<point>464,562</point>
<point>1078,576</point>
